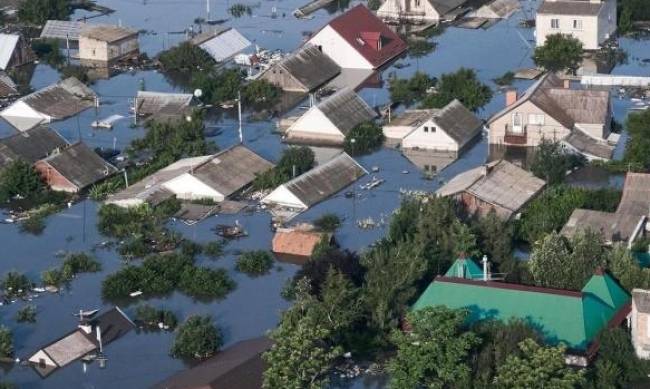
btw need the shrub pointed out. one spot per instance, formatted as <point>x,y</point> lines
<point>214,249</point>
<point>76,263</point>
<point>6,343</point>
<point>238,10</point>
<point>255,263</point>
<point>637,148</point>
<point>27,314</point>
<point>551,161</point>
<point>18,178</point>
<point>205,283</point>
<point>149,317</point>
<point>16,284</point>
<point>363,139</point>
<point>506,79</point>
<point>328,222</point>
<point>197,338</point>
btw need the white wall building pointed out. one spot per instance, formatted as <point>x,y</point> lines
<point>418,11</point>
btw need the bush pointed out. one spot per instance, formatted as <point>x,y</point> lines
<point>363,139</point>
<point>149,317</point>
<point>328,222</point>
<point>205,283</point>
<point>27,314</point>
<point>238,10</point>
<point>6,343</point>
<point>260,94</point>
<point>15,284</point>
<point>463,85</point>
<point>214,249</point>
<point>19,178</point>
<point>76,263</point>
<point>506,79</point>
<point>559,53</point>
<point>186,56</point>
<point>637,148</point>
<point>407,91</point>
<point>39,11</point>
<point>255,263</point>
<point>552,161</point>
<point>48,51</point>
<point>197,338</point>
<point>220,87</point>
<point>294,160</point>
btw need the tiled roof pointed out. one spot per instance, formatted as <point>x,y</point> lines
<point>346,110</point>
<point>80,165</point>
<point>296,242</point>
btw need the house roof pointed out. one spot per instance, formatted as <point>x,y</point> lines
<point>310,66</point>
<point>346,110</point>
<point>500,183</point>
<point>238,366</point>
<point>458,122</point>
<point>464,268</point>
<point>636,195</point>
<point>589,145</point>
<point>221,44</point>
<point>30,145</point>
<point>80,165</point>
<point>444,6</point>
<point>641,299</point>
<point>113,324</point>
<point>360,20</point>
<point>70,348</point>
<point>8,44</point>
<point>571,317</point>
<point>7,86</point>
<point>411,118</point>
<point>577,7</point>
<point>106,33</point>
<point>296,242</point>
<point>62,29</point>
<point>497,9</point>
<point>169,104</point>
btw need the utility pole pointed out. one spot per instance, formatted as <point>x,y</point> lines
<point>207,7</point>
<point>241,135</point>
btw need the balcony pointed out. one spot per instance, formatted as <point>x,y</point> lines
<point>515,138</point>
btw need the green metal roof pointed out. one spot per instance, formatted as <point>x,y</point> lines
<point>465,268</point>
<point>571,317</point>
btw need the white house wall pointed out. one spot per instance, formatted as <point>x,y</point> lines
<point>314,124</point>
<point>438,140</point>
<point>396,132</point>
<point>339,50</point>
<point>41,355</point>
<point>418,10</point>
<point>188,187</point>
<point>283,197</point>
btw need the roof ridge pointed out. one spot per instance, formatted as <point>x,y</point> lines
<point>511,286</point>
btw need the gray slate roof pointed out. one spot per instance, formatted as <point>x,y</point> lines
<point>62,29</point>
<point>63,99</point>
<point>30,145</point>
<point>81,165</point>
<point>458,122</point>
<point>497,9</point>
<point>346,110</point>
<point>412,117</point>
<point>161,103</point>
<point>578,7</point>
<point>310,66</point>
<point>325,180</point>
<point>589,145</point>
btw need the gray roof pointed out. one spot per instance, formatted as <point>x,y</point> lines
<point>346,110</point>
<point>588,145</point>
<point>161,103</point>
<point>310,66</point>
<point>62,29</point>
<point>497,9</point>
<point>80,165</point>
<point>31,145</point>
<point>106,33</point>
<point>412,118</point>
<point>238,366</point>
<point>444,6</point>
<point>641,300</point>
<point>8,43</point>
<point>325,180</point>
<point>458,122</point>
<point>500,183</point>
<point>578,7</point>
<point>221,44</point>
<point>636,195</point>
<point>7,86</point>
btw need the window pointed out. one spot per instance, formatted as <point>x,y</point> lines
<point>537,119</point>
<point>426,129</point>
<point>417,3</point>
<point>433,129</point>
<point>555,23</point>
<point>516,122</point>
<point>577,24</point>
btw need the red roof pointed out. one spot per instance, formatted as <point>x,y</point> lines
<point>363,30</point>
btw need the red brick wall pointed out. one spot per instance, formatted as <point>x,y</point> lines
<point>53,178</point>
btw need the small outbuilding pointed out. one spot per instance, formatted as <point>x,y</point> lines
<point>104,45</point>
<point>74,169</point>
<point>297,244</point>
<point>328,122</point>
<point>14,51</point>
<point>500,186</point>
<point>302,71</point>
<point>221,44</point>
<point>31,145</point>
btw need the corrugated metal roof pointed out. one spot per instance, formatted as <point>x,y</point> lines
<point>151,103</point>
<point>580,7</point>
<point>62,29</point>
<point>8,44</point>
<point>81,165</point>
<point>225,44</point>
<point>106,32</point>
<point>346,110</point>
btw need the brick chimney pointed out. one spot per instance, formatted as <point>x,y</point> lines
<point>511,97</point>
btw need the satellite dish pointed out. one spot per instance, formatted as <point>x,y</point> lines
<point>198,93</point>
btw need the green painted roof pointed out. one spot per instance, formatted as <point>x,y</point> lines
<point>465,268</point>
<point>571,317</point>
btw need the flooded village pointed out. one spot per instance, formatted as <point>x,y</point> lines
<point>340,194</point>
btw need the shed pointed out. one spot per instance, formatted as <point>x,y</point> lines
<point>297,244</point>
<point>62,30</point>
<point>303,71</point>
<point>222,44</point>
<point>500,186</point>
<point>14,51</point>
<point>316,185</point>
<point>162,106</point>
<point>103,45</point>
<point>74,169</point>
<point>329,121</point>
<point>7,86</point>
<point>55,102</point>
<point>31,145</point>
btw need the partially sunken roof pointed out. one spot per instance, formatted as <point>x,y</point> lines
<point>310,66</point>
<point>30,145</point>
<point>81,165</point>
<point>106,33</point>
<point>589,145</point>
<point>62,29</point>
<point>152,103</point>
<point>296,242</point>
<point>578,8</point>
<point>346,110</point>
<point>571,317</point>
<point>444,6</point>
<point>497,9</point>
<point>500,183</point>
<point>458,122</point>
<point>238,366</point>
<point>357,23</point>
<point>8,43</point>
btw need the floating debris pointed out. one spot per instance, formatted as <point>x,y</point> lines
<point>230,232</point>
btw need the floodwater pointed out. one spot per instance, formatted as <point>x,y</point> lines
<point>139,360</point>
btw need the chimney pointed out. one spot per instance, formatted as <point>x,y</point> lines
<point>486,272</point>
<point>566,83</point>
<point>511,97</point>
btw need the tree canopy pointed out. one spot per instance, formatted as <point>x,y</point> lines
<point>552,161</point>
<point>463,85</point>
<point>637,148</point>
<point>39,11</point>
<point>6,343</point>
<point>293,162</point>
<point>559,53</point>
<point>363,139</point>
<point>197,338</point>
<point>19,178</point>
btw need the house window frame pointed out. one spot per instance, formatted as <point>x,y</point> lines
<point>536,119</point>
<point>577,24</point>
<point>425,129</point>
<point>517,117</point>
<point>555,24</point>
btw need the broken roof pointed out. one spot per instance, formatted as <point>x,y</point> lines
<point>8,43</point>
<point>360,20</point>
<point>238,366</point>
<point>62,29</point>
<point>589,145</point>
<point>80,165</point>
<point>106,33</point>
<point>500,183</point>
<point>7,86</point>
<point>346,110</point>
<point>152,103</point>
<point>221,44</point>
<point>445,6</point>
<point>310,66</point>
<point>30,145</point>
<point>498,9</point>
<point>564,7</point>
<point>458,122</point>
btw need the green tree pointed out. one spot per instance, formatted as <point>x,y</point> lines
<point>626,269</point>
<point>260,94</point>
<point>255,263</point>
<point>617,365</point>
<point>587,255</point>
<point>197,338</point>
<point>462,85</point>
<point>39,11</point>
<point>409,90</point>
<point>328,222</point>
<point>6,343</point>
<point>637,148</point>
<point>551,161</point>
<point>218,87</point>
<point>538,367</point>
<point>549,262</point>
<point>15,284</point>
<point>186,56</point>
<point>293,162</point>
<point>434,352</point>
<point>559,53</point>
<point>26,314</point>
<point>363,139</point>
<point>18,178</point>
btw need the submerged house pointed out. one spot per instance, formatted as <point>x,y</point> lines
<point>221,44</point>
<point>358,39</point>
<point>297,244</point>
<point>14,52</point>
<point>500,186</point>
<point>315,185</point>
<point>592,22</point>
<point>64,30</point>
<point>574,318</point>
<point>420,11</point>
<point>55,102</point>
<point>551,109</point>
<point>627,224</point>
<point>214,177</point>
<point>450,129</point>
<point>31,145</point>
<point>303,71</point>
<point>161,106</point>
<point>81,342</point>
<point>74,168</point>
<point>497,9</point>
<point>104,45</point>
<point>329,121</point>
<point>239,366</point>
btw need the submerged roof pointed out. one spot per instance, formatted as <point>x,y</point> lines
<point>500,183</point>
<point>358,24</point>
<point>106,33</point>
<point>570,7</point>
<point>346,110</point>
<point>310,66</point>
<point>221,44</point>
<point>152,103</point>
<point>62,29</point>
<point>7,86</point>
<point>238,366</point>
<point>458,122</point>
<point>297,242</point>
<point>589,145</point>
<point>571,317</point>
<point>8,43</point>
<point>80,165</point>
<point>30,145</point>
<point>497,9</point>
